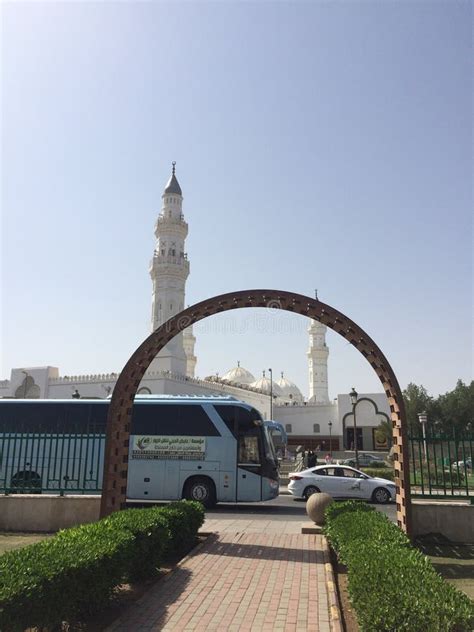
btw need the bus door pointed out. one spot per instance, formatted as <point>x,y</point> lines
<point>249,467</point>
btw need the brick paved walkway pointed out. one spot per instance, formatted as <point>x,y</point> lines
<point>246,581</point>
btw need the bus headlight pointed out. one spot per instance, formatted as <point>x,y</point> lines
<point>273,484</point>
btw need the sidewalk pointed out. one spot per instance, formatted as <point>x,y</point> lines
<point>251,576</point>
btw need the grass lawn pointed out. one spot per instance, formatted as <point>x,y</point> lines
<point>10,541</point>
<point>454,562</point>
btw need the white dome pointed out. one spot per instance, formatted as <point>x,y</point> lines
<point>266,385</point>
<point>290,390</point>
<point>238,375</point>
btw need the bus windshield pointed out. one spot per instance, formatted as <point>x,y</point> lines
<point>268,445</point>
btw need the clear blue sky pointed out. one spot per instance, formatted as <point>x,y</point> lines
<point>318,145</point>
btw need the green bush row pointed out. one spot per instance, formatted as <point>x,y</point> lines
<point>441,479</point>
<point>73,574</point>
<point>377,464</point>
<point>379,472</point>
<point>393,587</point>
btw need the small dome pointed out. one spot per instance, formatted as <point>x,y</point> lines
<point>266,385</point>
<point>238,375</point>
<point>172,186</point>
<point>290,390</point>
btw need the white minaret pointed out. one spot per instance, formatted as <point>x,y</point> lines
<point>318,364</point>
<point>189,340</point>
<point>169,270</point>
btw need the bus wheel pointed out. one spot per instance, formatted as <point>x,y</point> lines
<point>202,489</point>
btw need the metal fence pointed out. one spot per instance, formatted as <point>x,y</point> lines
<point>441,465</point>
<point>52,462</point>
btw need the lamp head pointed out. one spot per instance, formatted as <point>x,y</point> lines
<point>353,395</point>
<point>422,417</point>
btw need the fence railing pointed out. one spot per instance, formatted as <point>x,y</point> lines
<point>52,462</point>
<point>441,465</point>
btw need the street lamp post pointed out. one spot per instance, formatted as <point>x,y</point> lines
<point>423,418</point>
<point>353,395</point>
<point>271,393</point>
<point>330,438</point>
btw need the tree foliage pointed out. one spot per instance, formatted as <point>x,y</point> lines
<point>452,411</point>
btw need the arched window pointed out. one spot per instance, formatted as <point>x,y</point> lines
<point>316,428</point>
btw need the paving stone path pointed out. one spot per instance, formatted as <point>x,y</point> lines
<point>246,581</point>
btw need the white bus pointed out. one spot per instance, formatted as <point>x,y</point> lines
<point>211,449</point>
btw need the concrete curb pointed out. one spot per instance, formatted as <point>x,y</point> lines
<point>335,617</point>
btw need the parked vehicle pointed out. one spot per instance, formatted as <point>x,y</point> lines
<point>340,482</point>
<point>464,464</point>
<point>365,460</point>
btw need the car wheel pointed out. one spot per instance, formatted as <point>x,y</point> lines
<point>201,489</point>
<point>309,491</point>
<point>381,496</point>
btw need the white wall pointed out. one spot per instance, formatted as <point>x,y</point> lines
<point>302,418</point>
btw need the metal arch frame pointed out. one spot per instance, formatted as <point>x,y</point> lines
<point>119,415</point>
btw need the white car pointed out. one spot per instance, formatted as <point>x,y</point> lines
<point>340,481</point>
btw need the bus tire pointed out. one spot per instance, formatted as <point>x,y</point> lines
<point>202,489</point>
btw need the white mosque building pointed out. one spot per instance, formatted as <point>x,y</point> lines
<point>315,422</point>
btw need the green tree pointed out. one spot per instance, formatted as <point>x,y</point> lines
<point>455,409</point>
<point>417,400</point>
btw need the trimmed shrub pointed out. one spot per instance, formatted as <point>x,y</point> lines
<point>386,472</point>
<point>447,479</point>
<point>377,464</point>
<point>63,578</point>
<point>392,586</point>
<point>336,509</point>
<point>184,519</point>
<point>73,574</point>
<point>151,531</point>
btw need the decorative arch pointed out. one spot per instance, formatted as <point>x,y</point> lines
<point>118,421</point>
<point>350,414</point>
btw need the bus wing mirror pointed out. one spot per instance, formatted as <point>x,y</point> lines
<point>274,425</point>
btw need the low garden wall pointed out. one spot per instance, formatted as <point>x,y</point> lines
<point>453,519</point>
<point>46,513</point>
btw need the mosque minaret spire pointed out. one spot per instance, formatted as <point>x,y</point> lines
<point>318,353</point>
<point>169,269</point>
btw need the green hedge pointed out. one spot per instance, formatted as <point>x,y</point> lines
<point>446,479</point>
<point>184,520</point>
<point>151,533</point>
<point>73,574</point>
<point>62,578</point>
<point>377,464</point>
<point>386,472</point>
<point>392,586</point>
